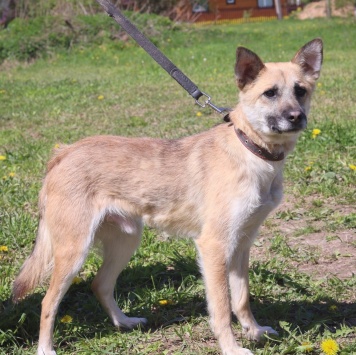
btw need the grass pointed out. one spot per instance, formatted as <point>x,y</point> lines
<point>111,88</point>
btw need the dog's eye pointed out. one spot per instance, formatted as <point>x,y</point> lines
<point>270,93</point>
<point>299,91</point>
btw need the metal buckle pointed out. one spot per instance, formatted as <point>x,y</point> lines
<point>209,103</point>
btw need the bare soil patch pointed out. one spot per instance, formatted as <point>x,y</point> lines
<point>318,9</point>
<point>319,252</point>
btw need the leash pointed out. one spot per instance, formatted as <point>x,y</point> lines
<point>160,58</point>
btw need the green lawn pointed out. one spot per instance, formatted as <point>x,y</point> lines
<point>305,291</point>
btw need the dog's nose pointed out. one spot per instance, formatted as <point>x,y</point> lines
<point>296,116</point>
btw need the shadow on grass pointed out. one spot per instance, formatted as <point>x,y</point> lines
<point>140,288</point>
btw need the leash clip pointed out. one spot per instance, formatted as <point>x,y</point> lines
<point>209,103</point>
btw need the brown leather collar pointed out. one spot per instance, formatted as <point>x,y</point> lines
<point>256,149</point>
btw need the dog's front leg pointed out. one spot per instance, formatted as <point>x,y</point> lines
<point>213,262</point>
<point>239,286</point>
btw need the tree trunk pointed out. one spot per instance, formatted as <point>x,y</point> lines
<point>277,4</point>
<point>328,8</point>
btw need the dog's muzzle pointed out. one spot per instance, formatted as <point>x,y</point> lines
<point>290,121</point>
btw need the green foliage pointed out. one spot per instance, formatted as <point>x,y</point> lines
<point>38,8</point>
<point>159,6</point>
<point>39,37</point>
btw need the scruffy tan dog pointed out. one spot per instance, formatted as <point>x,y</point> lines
<point>216,187</point>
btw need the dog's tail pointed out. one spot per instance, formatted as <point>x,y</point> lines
<point>38,265</point>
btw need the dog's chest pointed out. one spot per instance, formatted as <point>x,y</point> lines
<point>250,210</point>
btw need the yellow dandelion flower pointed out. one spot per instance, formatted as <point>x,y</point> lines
<point>307,168</point>
<point>333,308</point>
<point>329,347</point>
<point>320,85</point>
<point>4,248</point>
<point>352,167</point>
<point>12,174</point>
<point>2,157</point>
<point>199,114</point>
<point>316,132</point>
<point>56,146</point>
<point>66,319</point>
<point>77,280</point>
<point>165,302</point>
<point>101,97</point>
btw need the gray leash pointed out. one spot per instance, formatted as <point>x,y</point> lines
<point>159,57</point>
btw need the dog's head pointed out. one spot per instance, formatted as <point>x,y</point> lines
<point>275,97</point>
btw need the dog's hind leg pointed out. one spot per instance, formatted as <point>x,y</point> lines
<point>239,286</point>
<point>118,247</point>
<point>70,247</point>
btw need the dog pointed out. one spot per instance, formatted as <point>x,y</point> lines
<point>217,187</point>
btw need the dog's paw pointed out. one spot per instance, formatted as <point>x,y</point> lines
<point>132,322</point>
<point>256,333</point>
<point>41,351</point>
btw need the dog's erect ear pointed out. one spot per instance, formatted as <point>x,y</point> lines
<point>310,58</point>
<point>247,66</point>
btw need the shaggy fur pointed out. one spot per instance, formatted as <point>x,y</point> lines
<point>207,186</point>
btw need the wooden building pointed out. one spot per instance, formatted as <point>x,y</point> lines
<point>214,10</point>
